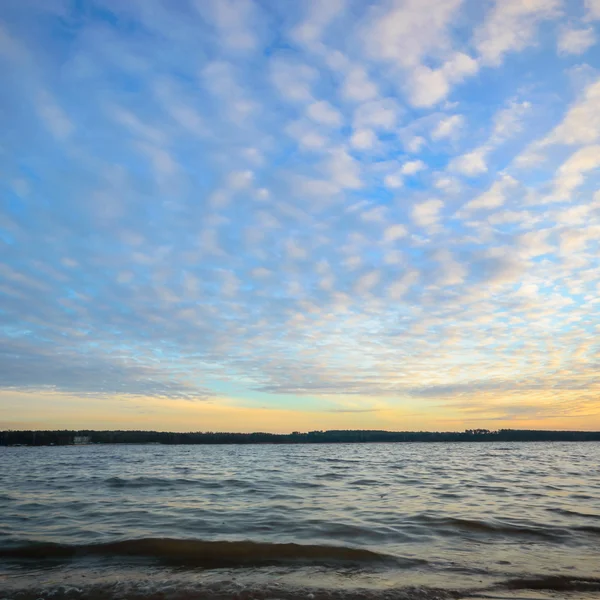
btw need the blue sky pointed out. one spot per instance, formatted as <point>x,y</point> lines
<point>237,214</point>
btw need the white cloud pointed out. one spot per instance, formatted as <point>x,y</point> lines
<point>449,185</point>
<point>292,79</point>
<point>572,40</point>
<point>220,80</point>
<point>534,243</point>
<point>239,180</point>
<point>358,87</point>
<point>295,251</point>
<point>593,9</point>
<point>470,164</point>
<point>412,167</point>
<point>343,170</point>
<point>398,288</point>
<point>323,112</point>
<point>571,173</point>
<point>404,32</point>
<point>393,181</point>
<point>55,119</point>
<point>260,273</point>
<point>367,282</point>
<point>319,16</point>
<point>378,114</point>
<point>508,121</point>
<point>427,213</point>
<point>394,232</point>
<point>231,284</point>
<point>363,139</point>
<point>232,18</point>
<point>415,144</point>
<point>254,156</point>
<point>163,163</point>
<point>307,135</point>
<point>450,272</point>
<point>511,25</point>
<point>183,114</point>
<point>427,86</point>
<point>494,197</point>
<point>447,127</point>
<point>581,124</point>
<point>375,214</point>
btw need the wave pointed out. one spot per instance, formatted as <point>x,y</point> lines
<point>202,553</point>
<point>187,591</point>
<point>554,583</point>
<point>573,513</point>
<point>455,525</point>
<point>180,588</point>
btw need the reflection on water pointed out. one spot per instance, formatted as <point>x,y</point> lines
<point>444,516</point>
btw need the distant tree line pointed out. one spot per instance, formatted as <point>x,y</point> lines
<point>67,437</point>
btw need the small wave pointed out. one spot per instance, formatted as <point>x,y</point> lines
<point>365,482</point>
<point>573,513</point>
<point>202,553</point>
<point>330,476</point>
<point>164,482</point>
<point>554,583</point>
<point>450,524</point>
<point>119,482</point>
<point>159,590</point>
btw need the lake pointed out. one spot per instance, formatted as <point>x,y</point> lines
<point>419,521</point>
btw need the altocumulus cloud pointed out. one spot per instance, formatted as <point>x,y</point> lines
<point>382,200</point>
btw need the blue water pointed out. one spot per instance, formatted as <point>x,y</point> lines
<point>436,518</point>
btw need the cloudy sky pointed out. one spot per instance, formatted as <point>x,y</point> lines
<point>280,215</point>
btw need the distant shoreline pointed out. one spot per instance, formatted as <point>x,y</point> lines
<point>88,437</point>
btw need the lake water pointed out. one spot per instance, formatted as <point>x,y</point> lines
<point>379,521</point>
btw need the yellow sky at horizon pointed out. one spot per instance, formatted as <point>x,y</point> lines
<point>24,410</point>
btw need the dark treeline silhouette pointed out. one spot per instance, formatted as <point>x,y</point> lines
<point>66,437</point>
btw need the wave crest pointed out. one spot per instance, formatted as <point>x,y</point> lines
<point>203,553</point>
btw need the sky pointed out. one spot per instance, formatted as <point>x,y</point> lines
<point>283,215</point>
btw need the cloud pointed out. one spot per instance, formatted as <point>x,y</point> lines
<point>319,208</point>
<point>394,232</point>
<point>406,32</point>
<point>377,114</point>
<point>318,17</point>
<point>511,26</point>
<point>363,139</point>
<point>54,117</point>
<point>358,87</point>
<point>233,19</point>
<point>576,41</point>
<point>322,112</point>
<point>27,368</point>
<point>580,125</point>
<point>571,174</point>
<point>427,86</point>
<point>412,167</point>
<point>447,127</point>
<point>426,214</point>
<point>292,78</point>
<point>593,9</point>
<point>494,197</point>
<point>470,164</point>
